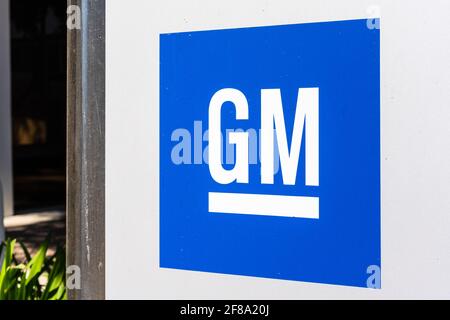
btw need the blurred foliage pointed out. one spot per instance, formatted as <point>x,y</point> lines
<point>37,278</point>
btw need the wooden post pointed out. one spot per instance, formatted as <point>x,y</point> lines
<point>86,149</point>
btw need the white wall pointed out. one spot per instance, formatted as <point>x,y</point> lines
<point>5,112</point>
<point>415,68</point>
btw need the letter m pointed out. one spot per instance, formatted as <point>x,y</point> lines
<point>306,117</point>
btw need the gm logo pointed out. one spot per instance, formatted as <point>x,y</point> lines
<point>272,116</point>
<point>270,152</point>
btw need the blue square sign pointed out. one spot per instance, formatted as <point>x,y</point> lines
<point>270,152</point>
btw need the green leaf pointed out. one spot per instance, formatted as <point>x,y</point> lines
<point>21,281</point>
<point>57,275</point>
<point>10,244</point>
<point>37,263</point>
<point>5,273</point>
<point>60,294</point>
<point>25,250</point>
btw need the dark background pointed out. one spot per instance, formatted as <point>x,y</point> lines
<point>38,53</point>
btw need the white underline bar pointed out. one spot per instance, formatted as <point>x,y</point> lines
<point>264,205</point>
